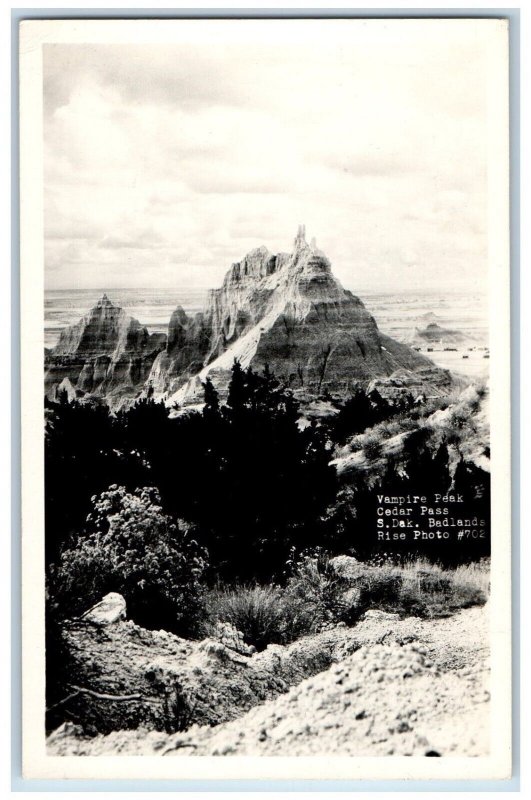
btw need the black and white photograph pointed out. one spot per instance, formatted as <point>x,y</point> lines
<point>266,473</point>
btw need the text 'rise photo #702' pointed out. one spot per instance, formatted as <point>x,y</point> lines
<point>265,292</point>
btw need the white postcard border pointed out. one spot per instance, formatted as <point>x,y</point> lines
<point>36,763</point>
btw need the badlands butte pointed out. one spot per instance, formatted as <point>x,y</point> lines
<point>287,311</point>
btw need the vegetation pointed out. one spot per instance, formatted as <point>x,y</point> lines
<point>315,597</point>
<point>130,546</point>
<point>306,603</point>
<point>421,588</point>
<point>258,612</point>
<point>162,507</point>
<point>363,411</point>
<point>414,586</point>
<point>252,482</point>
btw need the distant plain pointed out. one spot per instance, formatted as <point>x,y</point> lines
<point>397,314</point>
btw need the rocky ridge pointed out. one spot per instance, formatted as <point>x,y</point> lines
<point>285,310</point>
<point>107,353</point>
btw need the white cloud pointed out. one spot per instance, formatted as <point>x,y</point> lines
<point>164,165</point>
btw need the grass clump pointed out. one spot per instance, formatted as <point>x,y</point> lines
<point>272,614</point>
<point>256,611</point>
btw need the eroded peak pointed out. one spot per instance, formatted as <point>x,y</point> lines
<point>104,302</point>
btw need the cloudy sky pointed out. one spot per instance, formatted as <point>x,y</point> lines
<point>166,163</point>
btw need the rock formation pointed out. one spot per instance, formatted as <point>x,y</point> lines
<point>285,310</point>
<point>107,353</point>
<point>290,312</point>
<point>435,334</point>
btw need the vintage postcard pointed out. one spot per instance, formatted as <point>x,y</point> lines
<point>265,398</point>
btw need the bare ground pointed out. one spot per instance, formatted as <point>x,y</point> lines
<point>388,686</point>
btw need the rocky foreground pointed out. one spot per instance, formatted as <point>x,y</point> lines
<point>388,686</point>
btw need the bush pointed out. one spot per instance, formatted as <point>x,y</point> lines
<point>315,597</point>
<point>312,593</point>
<point>133,548</point>
<point>380,590</point>
<point>372,448</point>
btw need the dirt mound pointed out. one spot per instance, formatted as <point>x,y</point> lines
<point>389,686</point>
<point>383,700</point>
<point>166,683</point>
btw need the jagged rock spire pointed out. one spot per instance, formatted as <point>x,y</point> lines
<point>300,239</point>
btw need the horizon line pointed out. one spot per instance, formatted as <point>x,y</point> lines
<point>390,290</point>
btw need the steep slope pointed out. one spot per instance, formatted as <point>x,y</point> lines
<point>287,311</point>
<point>462,424</point>
<point>107,352</point>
